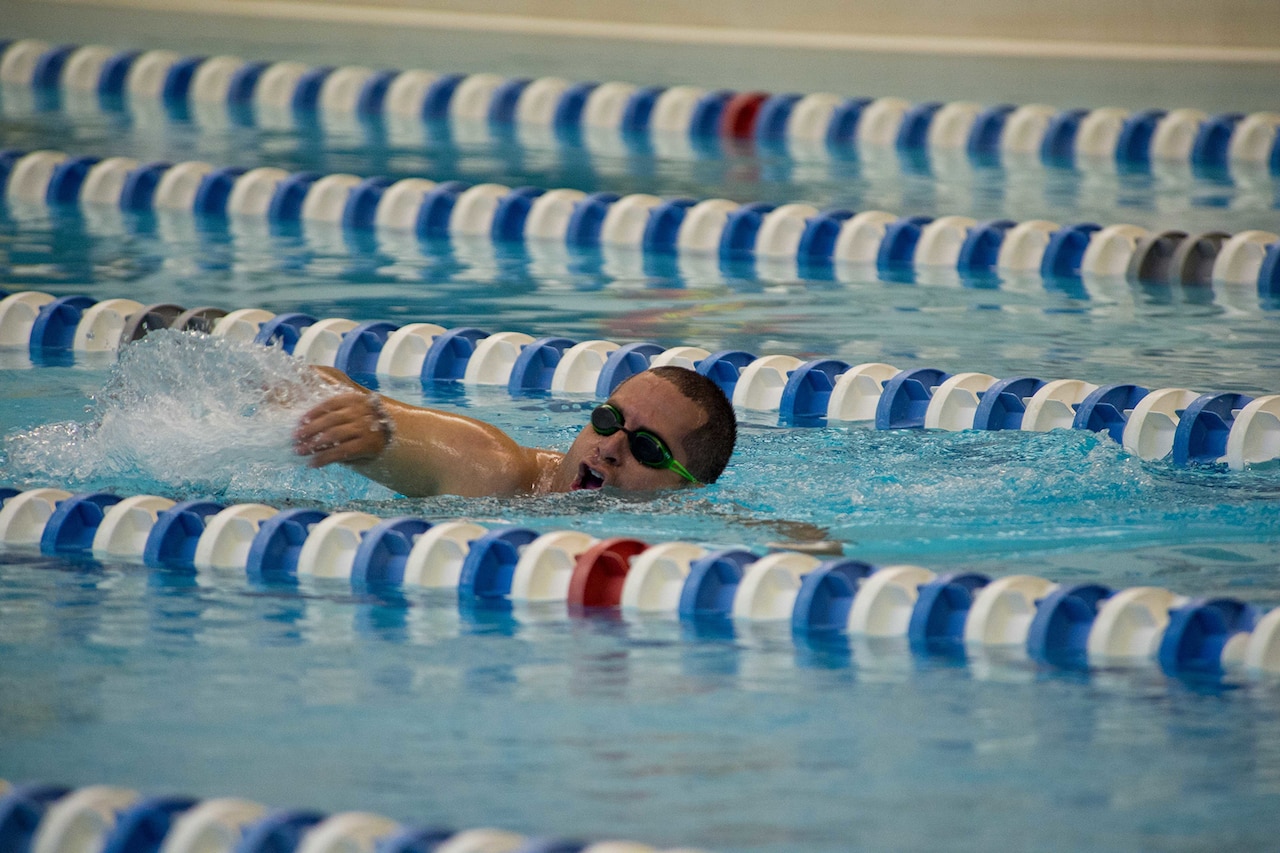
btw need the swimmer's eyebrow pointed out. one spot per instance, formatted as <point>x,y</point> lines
<point>631,428</point>
<point>623,414</point>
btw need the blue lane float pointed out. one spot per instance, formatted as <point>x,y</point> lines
<point>144,825</point>
<point>48,68</point>
<point>623,363</point>
<point>1003,404</point>
<point>512,211</point>
<point>898,248</point>
<point>67,178</point>
<point>21,809</point>
<point>1204,426</point>
<point>437,208</point>
<point>1059,143</point>
<point>941,610</point>
<point>1269,272</point>
<point>807,394</point>
<point>818,242</point>
<point>55,327</point>
<point>172,542</point>
<point>1107,409</point>
<point>491,562</point>
<point>842,128</point>
<point>724,367</point>
<point>280,830</point>
<point>771,120</point>
<point>1199,632</point>
<point>663,225</point>
<point>284,330</point>
<point>449,353</point>
<point>383,550</point>
<point>139,188</point>
<point>738,239</point>
<point>587,220</point>
<point>502,107</point>
<point>361,207</point>
<point>1134,143</point>
<point>286,203</point>
<point>1065,252</point>
<point>906,396</point>
<point>535,367</point>
<point>712,581</point>
<point>73,524</point>
<point>826,594</point>
<point>273,556</point>
<point>1059,632</point>
<point>215,190</point>
<point>980,251</point>
<point>983,141</point>
<point>1211,149</point>
<point>358,353</point>
<point>913,133</point>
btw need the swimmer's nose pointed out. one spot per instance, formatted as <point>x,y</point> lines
<point>612,447</point>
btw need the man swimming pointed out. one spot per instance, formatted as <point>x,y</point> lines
<point>664,428</point>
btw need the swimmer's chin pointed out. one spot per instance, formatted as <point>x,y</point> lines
<point>592,482</point>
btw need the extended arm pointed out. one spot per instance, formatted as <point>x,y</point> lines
<point>418,451</point>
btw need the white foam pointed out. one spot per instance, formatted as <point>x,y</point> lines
<point>189,412</point>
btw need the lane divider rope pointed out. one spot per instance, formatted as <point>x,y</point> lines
<point>796,236</point>
<point>1184,426</point>
<point>1075,626</point>
<point>670,121</point>
<point>48,818</point>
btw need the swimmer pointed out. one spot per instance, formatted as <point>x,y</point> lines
<point>664,428</point>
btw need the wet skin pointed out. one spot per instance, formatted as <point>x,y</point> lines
<point>433,452</point>
<point>647,402</point>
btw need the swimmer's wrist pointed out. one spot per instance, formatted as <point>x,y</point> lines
<point>383,421</point>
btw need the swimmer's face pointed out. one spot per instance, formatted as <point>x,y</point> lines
<point>647,402</point>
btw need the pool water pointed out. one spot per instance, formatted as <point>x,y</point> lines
<point>409,703</point>
<point>406,705</point>
<point>187,414</point>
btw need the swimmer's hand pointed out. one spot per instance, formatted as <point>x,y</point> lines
<point>349,427</point>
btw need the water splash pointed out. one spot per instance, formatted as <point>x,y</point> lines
<point>192,416</point>
<point>189,414</point>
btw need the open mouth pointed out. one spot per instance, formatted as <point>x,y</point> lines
<point>588,478</point>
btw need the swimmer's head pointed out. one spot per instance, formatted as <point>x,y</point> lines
<point>685,412</point>
<point>709,446</point>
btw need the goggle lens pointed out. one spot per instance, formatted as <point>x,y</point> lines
<point>646,447</point>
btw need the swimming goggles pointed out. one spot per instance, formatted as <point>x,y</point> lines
<point>646,447</point>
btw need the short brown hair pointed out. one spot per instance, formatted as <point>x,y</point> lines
<point>710,445</point>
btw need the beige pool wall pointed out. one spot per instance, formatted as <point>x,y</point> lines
<point>1221,55</point>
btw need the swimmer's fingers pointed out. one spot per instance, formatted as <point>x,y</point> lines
<point>351,448</point>
<point>345,428</point>
<point>326,415</point>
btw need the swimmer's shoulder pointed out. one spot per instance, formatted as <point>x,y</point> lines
<point>543,466</point>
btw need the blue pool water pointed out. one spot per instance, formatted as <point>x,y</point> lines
<point>188,415</point>
<point>603,728</point>
<point>407,703</point>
